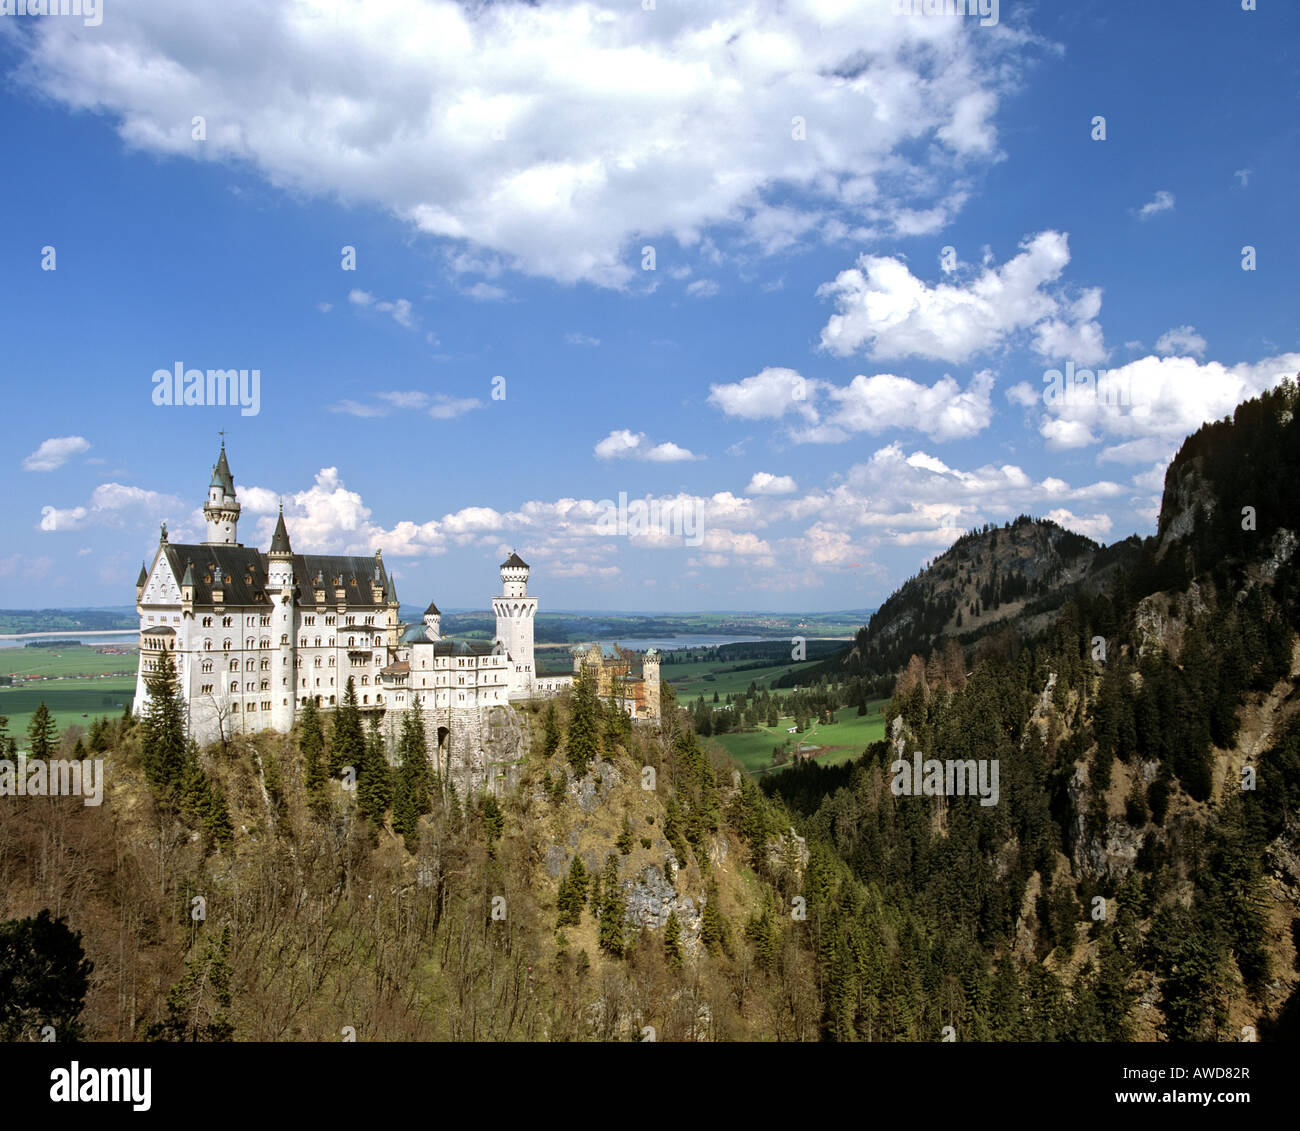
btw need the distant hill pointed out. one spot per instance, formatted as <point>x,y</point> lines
<point>1022,571</point>
<point>61,620</point>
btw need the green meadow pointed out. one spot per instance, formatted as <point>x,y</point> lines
<point>69,701</point>
<point>79,684</point>
<point>841,741</point>
<point>704,677</point>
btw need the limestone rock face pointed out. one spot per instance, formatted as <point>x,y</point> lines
<point>594,788</point>
<point>651,898</point>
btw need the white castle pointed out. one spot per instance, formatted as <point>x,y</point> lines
<point>254,636</point>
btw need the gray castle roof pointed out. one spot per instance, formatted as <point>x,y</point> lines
<point>243,575</point>
<point>280,539</point>
<point>221,476</point>
<point>514,560</point>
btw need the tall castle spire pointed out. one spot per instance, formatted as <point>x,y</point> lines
<point>222,508</point>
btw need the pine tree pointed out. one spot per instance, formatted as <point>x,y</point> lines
<point>413,785</point>
<point>163,741</point>
<point>613,910</point>
<point>201,801</point>
<point>42,735</point>
<point>494,821</point>
<point>198,1005</point>
<point>7,744</point>
<point>572,895</point>
<point>624,841</point>
<point>374,785</point>
<point>311,742</point>
<point>44,976</point>
<point>584,724</point>
<point>713,928</point>
<point>347,742</point>
<point>673,940</point>
<point>551,731</point>
<point>761,931</point>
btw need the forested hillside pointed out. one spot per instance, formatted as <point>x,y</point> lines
<point>1137,875</point>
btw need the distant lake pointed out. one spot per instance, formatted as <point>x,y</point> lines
<point>666,643</point>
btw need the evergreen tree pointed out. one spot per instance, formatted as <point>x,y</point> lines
<point>624,841</point>
<point>413,786</point>
<point>572,895</point>
<point>311,743</point>
<point>347,741</point>
<point>584,723</point>
<point>7,744</point>
<point>198,1004</point>
<point>374,783</point>
<point>673,940</point>
<point>201,801</point>
<point>551,731</point>
<point>44,976</point>
<point>42,735</point>
<point>613,911</point>
<point>494,821</point>
<point>713,928</point>
<point>163,738</point>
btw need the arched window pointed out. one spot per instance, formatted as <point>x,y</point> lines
<point>226,644</point>
<point>234,688</point>
<point>284,639</point>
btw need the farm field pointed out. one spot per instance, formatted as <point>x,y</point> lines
<point>704,677</point>
<point>841,741</point>
<point>67,700</point>
<point>82,660</point>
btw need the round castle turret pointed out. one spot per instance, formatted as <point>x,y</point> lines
<point>222,508</point>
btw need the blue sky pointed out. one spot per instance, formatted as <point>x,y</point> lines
<point>804,373</point>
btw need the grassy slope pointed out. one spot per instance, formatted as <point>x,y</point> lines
<point>847,737</point>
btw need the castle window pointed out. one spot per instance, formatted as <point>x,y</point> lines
<point>317,664</point>
<point>365,699</point>
<point>330,620</point>
<point>318,642</point>
<point>308,620</point>
<point>248,642</point>
<point>226,644</point>
<point>331,700</point>
<point>207,645</point>
<point>226,622</point>
<point>284,639</point>
<point>302,643</point>
<point>379,698</point>
<point>206,689</point>
<point>234,665</point>
<point>266,642</point>
<point>207,622</point>
<point>207,665</point>
<point>234,707</point>
<point>234,689</point>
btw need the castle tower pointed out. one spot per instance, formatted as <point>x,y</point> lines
<point>650,674</point>
<point>515,611</point>
<point>222,508</point>
<point>279,586</point>
<point>433,622</point>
